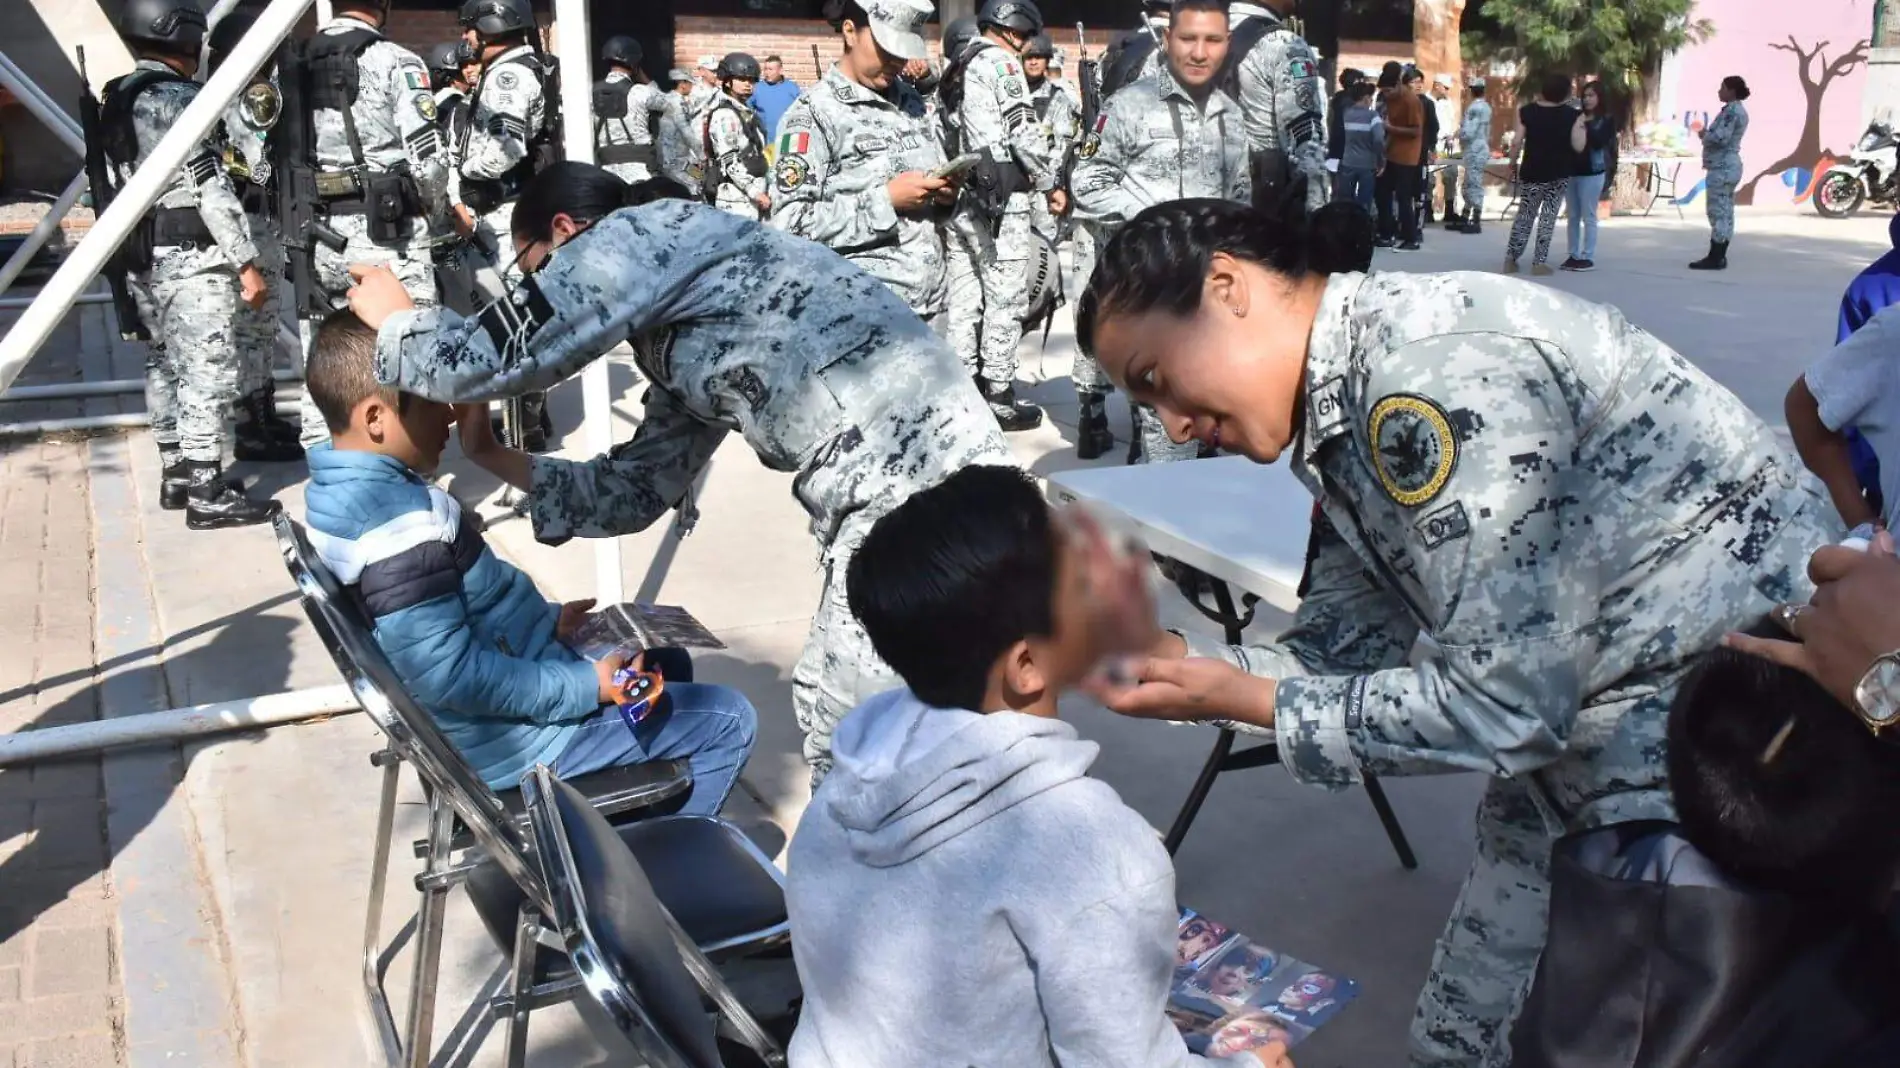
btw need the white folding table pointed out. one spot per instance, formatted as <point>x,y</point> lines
<point>1244,525</point>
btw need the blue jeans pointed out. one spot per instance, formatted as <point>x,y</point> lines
<point>712,727</point>
<point>1355,184</point>
<point>1585,190</point>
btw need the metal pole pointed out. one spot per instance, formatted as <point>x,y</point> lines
<point>45,229</point>
<point>16,303</point>
<point>108,388</point>
<point>16,82</point>
<point>24,747</point>
<point>145,185</point>
<point>573,44</point>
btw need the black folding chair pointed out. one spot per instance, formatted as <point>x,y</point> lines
<point>464,815</point>
<point>633,958</point>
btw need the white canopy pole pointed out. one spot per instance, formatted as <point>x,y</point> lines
<point>143,188</point>
<point>572,44</point>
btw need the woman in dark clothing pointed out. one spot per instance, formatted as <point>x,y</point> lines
<point>1586,186</point>
<point>1549,136</point>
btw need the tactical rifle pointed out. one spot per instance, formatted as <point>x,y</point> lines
<point>119,265</point>
<point>293,150</point>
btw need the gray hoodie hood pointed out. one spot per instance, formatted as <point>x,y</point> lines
<point>907,777</point>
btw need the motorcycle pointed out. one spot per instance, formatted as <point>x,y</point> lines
<point>1870,173</point>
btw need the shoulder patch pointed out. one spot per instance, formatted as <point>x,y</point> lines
<point>1090,146</point>
<point>794,142</point>
<point>425,106</point>
<point>1445,524</point>
<point>793,171</point>
<point>506,80</point>
<point>414,78</point>
<point>260,105</point>
<point>1414,450</point>
<point>1300,66</point>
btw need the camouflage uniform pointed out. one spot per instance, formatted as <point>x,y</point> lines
<point>699,100</point>
<point>995,113</point>
<point>737,327</point>
<point>735,144</point>
<point>1061,116</point>
<point>1151,144</point>
<point>247,127</point>
<point>1281,96</point>
<point>394,116</point>
<point>681,157</point>
<point>644,100</point>
<point>510,113</point>
<point>1475,136</point>
<point>1541,487</point>
<point>839,145</point>
<point>1722,164</point>
<point>188,298</point>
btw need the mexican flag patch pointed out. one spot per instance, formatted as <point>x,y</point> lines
<point>794,143</point>
<point>415,79</point>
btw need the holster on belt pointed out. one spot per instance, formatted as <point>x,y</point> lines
<point>1272,172</point>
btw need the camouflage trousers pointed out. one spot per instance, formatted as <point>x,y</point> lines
<point>1722,180</point>
<point>256,330</point>
<point>963,325</point>
<point>1156,446</point>
<point>1087,375</point>
<point>1000,262</point>
<point>189,303</point>
<point>1486,956</point>
<point>1474,177</point>
<point>412,265</point>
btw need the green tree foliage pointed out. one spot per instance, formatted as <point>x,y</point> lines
<point>1621,41</point>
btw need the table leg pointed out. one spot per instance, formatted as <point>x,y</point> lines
<point>1392,829</point>
<point>1197,796</point>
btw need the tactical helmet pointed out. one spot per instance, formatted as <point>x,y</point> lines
<point>496,18</point>
<point>176,26</point>
<point>957,33</point>
<point>622,51</point>
<point>1040,46</point>
<point>445,62</point>
<point>226,34</point>
<point>1017,16</point>
<point>738,65</point>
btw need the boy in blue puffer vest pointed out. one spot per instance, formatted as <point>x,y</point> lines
<point>473,639</point>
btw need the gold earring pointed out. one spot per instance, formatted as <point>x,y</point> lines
<point>1236,310</point>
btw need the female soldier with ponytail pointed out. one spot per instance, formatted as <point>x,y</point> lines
<point>736,327</point>
<point>1567,507</point>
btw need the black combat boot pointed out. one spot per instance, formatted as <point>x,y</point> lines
<point>1011,414</point>
<point>173,479</point>
<point>1092,436</point>
<point>262,435</point>
<point>214,503</point>
<point>1474,222</point>
<point>1716,260</point>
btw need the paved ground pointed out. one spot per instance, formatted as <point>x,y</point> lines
<point>203,906</point>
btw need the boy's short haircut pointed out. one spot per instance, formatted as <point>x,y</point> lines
<point>1182,7</point>
<point>341,370</point>
<point>1816,815</point>
<point>954,576</point>
<point>1361,90</point>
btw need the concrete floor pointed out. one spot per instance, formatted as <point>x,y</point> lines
<point>281,821</point>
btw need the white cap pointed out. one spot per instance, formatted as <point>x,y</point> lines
<point>708,63</point>
<point>897,26</point>
<point>677,76</point>
<point>1444,80</point>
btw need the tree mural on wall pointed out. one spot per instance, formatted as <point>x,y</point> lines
<point>1808,151</point>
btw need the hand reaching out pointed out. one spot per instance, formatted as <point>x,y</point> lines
<point>573,614</point>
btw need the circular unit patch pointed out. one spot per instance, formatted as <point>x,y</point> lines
<point>792,172</point>
<point>1414,450</point>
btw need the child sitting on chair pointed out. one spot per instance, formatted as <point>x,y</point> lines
<point>1755,933</point>
<point>960,891</point>
<point>473,640</point>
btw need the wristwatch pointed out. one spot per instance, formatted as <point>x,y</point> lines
<point>1877,695</point>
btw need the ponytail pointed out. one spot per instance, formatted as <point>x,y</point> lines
<point>1160,259</point>
<point>584,193</point>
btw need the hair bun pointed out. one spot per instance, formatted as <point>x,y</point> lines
<point>1339,239</point>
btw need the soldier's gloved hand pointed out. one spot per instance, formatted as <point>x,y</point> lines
<point>1058,202</point>
<point>911,190</point>
<point>251,286</point>
<point>377,294</point>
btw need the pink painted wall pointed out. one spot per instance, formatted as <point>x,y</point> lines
<point>1746,32</point>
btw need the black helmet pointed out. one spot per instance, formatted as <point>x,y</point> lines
<point>957,33</point>
<point>172,25</point>
<point>738,65</point>
<point>1017,16</point>
<point>496,18</point>
<point>226,34</point>
<point>445,62</point>
<point>622,51</point>
<point>1040,46</point>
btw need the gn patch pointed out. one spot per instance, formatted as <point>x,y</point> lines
<point>1414,450</point>
<point>793,172</point>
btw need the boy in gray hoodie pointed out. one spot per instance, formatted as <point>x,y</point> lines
<point>960,891</point>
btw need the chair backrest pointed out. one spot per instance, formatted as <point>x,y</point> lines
<point>625,947</point>
<point>351,641</point>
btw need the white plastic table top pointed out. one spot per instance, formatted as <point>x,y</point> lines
<point>1241,522</point>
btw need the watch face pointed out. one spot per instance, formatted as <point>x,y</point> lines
<point>1878,694</point>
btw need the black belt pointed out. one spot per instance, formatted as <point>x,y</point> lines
<point>628,153</point>
<point>179,227</point>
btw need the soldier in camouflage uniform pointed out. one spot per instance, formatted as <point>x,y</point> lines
<point>262,434</point>
<point>854,156</point>
<point>735,142</point>
<point>681,156</point>
<point>704,92</point>
<point>201,268</point>
<point>996,117</point>
<point>1568,508</point>
<point>627,112</point>
<point>391,131</point>
<point>1281,94</point>
<point>1474,138</point>
<point>738,327</point>
<point>1162,138</point>
<point>1060,116</point>
<point>1722,164</point>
